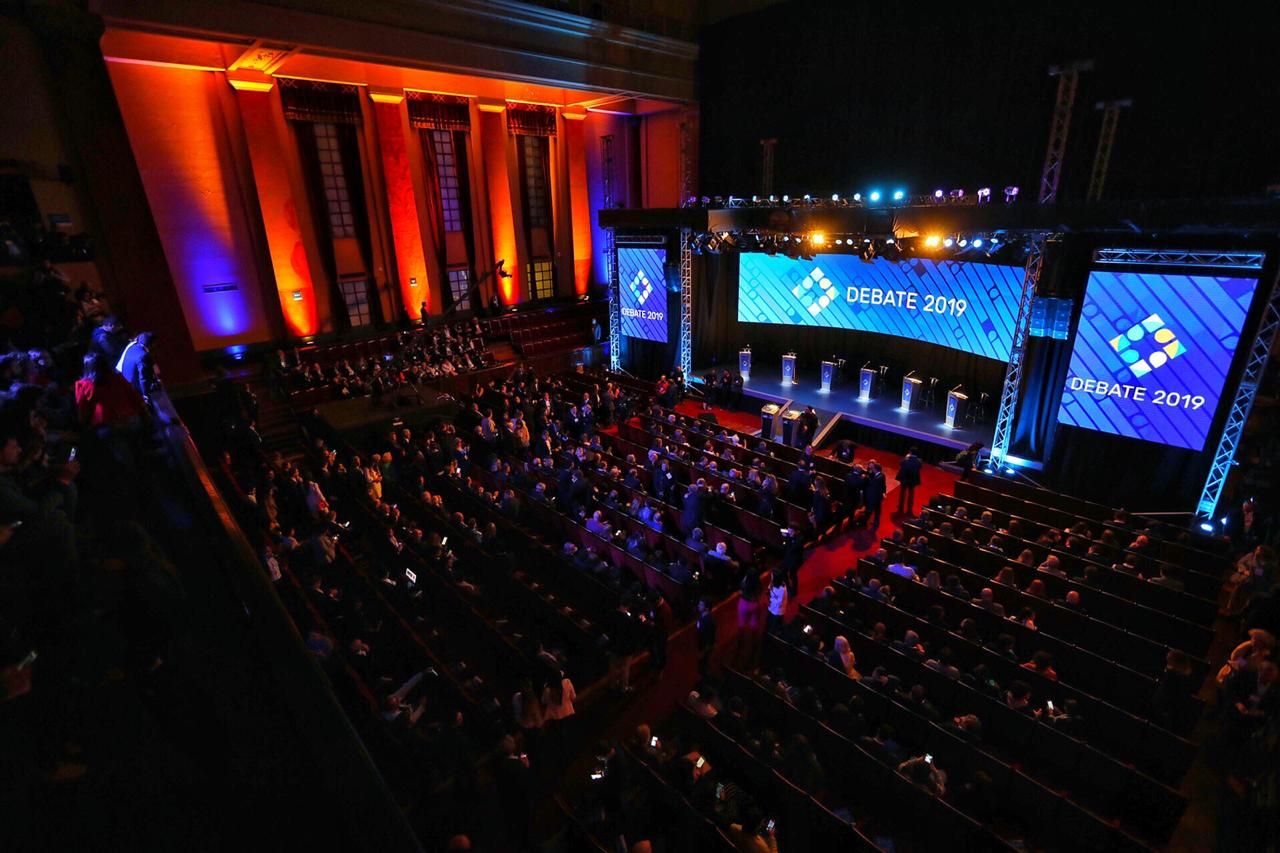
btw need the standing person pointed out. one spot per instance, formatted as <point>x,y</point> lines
<point>109,340</point>
<point>808,426</point>
<point>777,603</point>
<point>138,367</point>
<point>557,708</point>
<point>908,478</point>
<point>706,628</point>
<point>527,711</point>
<point>663,619</point>
<point>792,558</point>
<point>873,495</point>
<point>750,621</point>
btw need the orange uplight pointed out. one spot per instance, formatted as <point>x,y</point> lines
<point>279,214</point>
<point>579,204</point>
<point>406,230</point>
<point>817,238</point>
<point>933,241</point>
<point>493,136</point>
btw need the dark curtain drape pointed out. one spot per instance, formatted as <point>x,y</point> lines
<point>1138,475</point>
<point>1044,372</point>
<point>435,215</point>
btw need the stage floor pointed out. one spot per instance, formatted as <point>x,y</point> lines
<point>877,413</point>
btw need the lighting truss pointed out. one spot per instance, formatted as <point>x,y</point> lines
<point>611,256</point>
<point>1013,373</point>
<point>1225,454</point>
<point>685,355</point>
<point>1068,81</point>
<point>1251,261</point>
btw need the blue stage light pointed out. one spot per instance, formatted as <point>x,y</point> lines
<point>875,196</point>
<point>1206,526</point>
<point>857,196</point>
<point>949,242</point>
<point>899,195</point>
<point>977,242</point>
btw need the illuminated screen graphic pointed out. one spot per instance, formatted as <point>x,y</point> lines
<point>1152,354</point>
<point>962,305</point>
<point>643,293</point>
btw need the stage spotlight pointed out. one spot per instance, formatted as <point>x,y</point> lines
<point>786,238</point>
<point>773,199</point>
<point>932,241</point>
<point>807,198</point>
<point>835,197</point>
<point>839,241</point>
<point>874,197</point>
<point>890,242</point>
<point>956,195</point>
<point>899,195</point>
<point>949,242</point>
<point>984,195</point>
<point>977,242</point>
<point>1206,526</point>
<point>817,238</point>
<point>857,196</point>
<point>786,199</point>
<point>1010,195</point>
<point>755,199</point>
<point>964,241</point>
<point>939,195</point>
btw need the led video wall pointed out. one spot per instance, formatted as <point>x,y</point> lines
<point>959,304</point>
<point>643,293</point>
<point>1152,354</point>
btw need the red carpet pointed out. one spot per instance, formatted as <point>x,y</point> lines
<point>741,421</point>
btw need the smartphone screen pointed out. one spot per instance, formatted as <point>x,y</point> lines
<point>928,759</point>
<point>701,762</point>
<point>653,742</point>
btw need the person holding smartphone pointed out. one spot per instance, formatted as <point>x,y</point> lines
<point>924,772</point>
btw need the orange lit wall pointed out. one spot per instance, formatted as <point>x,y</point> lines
<point>493,138</point>
<point>173,118</point>
<point>660,146</point>
<point>406,230</point>
<point>279,213</point>
<point>579,204</point>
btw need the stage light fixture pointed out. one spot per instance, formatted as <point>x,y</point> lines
<point>964,241</point>
<point>839,241</point>
<point>773,199</point>
<point>1010,195</point>
<point>817,238</point>
<point>977,242</point>
<point>874,196</point>
<point>949,242</point>
<point>807,198</point>
<point>755,199</point>
<point>835,197</point>
<point>939,195</point>
<point>1206,526</point>
<point>899,195</point>
<point>786,199</point>
<point>984,195</point>
<point>956,195</point>
<point>857,196</point>
<point>932,241</point>
<point>890,242</point>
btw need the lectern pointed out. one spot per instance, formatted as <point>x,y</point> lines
<point>789,421</point>
<point>909,387</point>
<point>955,406</point>
<point>744,363</point>
<point>767,414</point>
<point>827,374</point>
<point>789,369</point>
<point>866,379</point>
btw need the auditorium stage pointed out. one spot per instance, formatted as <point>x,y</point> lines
<point>878,422</point>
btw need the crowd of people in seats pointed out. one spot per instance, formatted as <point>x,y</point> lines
<point>79,568</point>
<point>418,356</point>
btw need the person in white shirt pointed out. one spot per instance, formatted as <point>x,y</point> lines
<point>777,603</point>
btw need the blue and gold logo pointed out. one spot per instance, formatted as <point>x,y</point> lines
<point>1166,346</point>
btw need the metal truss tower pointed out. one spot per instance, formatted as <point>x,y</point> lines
<point>1003,436</point>
<point>767,148</point>
<point>1106,140</point>
<point>685,355</point>
<point>1225,454</point>
<point>1068,81</point>
<point>611,254</point>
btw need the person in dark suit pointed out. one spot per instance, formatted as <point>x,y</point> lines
<point>908,478</point>
<point>792,558</point>
<point>873,494</point>
<point>706,628</point>
<point>109,340</point>
<point>137,365</point>
<point>694,505</point>
<point>798,483</point>
<point>808,426</point>
<point>855,484</point>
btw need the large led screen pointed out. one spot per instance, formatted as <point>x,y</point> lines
<point>964,305</point>
<point>1152,354</point>
<point>643,293</point>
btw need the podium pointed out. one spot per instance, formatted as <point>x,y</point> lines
<point>910,385</point>
<point>744,364</point>
<point>789,421</point>
<point>767,413</point>
<point>789,369</point>
<point>955,407</point>
<point>828,375</point>
<point>866,380</point>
